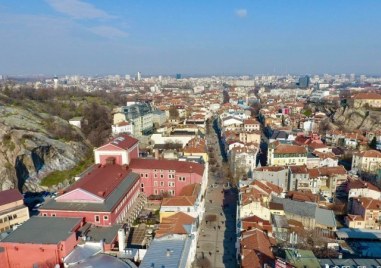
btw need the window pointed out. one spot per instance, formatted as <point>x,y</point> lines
<point>181,178</point>
<point>161,176</point>
<point>155,183</point>
<point>162,191</point>
<point>155,175</point>
<point>141,175</point>
<point>146,175</point>
<point>142,185</point>
<point>155,170</point>
<point>44,214</point>
<point>161,183</point>
<point>105,218</point>
<point>156,192</point>
<point>53,214</point>
<point>161,171</point>
<point>171,176</point>
<point>97,219</point>
<point>171,184</point>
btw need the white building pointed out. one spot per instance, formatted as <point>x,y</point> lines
<point>122,127</point>
<point>76,121</point>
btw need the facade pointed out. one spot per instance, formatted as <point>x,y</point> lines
<point>242,161</point>
<point>277,175</point>
<point>367,161</point>
<point>12,209</point>
<point>250,136</point>
<point>159,177</point>
<point>122,127</point>
<point>286,154</point>
<point>373,100</point>
<point>123,149</point>
<point>76,121</point>
<point>251,125</point>
<point>105,195</point>
<point>189,201</point>
<point>40,242</point>
<point>158,118</point>
<point>138,114</point>
<point>196,147</point>
<point>369,210</point>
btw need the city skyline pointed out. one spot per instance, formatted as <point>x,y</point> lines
<point>216,37</point>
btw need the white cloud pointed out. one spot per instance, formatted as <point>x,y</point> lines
<point>108,32</point>
<point>241,13</point>
<point>77,9</point>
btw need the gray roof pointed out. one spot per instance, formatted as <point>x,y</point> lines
<point>325,217</point>
<point>43,230</point>
<point>351,263</point>
<point>178,247</point>
<point>107,206</point>
<point>352,233</point>
<point>305,209</point>
<point>104,260</point>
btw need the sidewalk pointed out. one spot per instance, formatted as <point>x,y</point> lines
<point>216,243</point>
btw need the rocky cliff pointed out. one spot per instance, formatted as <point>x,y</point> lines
<point>32,144</point>
<point>351,119</point>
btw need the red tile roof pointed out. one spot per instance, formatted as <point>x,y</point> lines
<point>9,196</point>
<point>102,179</point>
<point>367,96</point>
<point>179,166</point>
<point>256,248</point>
<point>122,141</point>
<point>289,149</point>
<point>174,224</point>
<point>369,153</point>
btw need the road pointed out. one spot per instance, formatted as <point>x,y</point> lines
<point>216,244</point>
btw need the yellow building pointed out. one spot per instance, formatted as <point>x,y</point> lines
<point>197,147</point>
<point>12,209</point>
<point>373,100</point>
<point>286,155</point>
<point>367,161</point>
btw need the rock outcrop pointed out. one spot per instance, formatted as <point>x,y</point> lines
<point>351,119</point>
<point>29,149</point>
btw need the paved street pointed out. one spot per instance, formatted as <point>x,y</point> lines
<point>216,245</point>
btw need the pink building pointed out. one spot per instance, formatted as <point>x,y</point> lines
<point>123,148</point>
<point>103,196</point>
<point>166,176</point>
<point>39,242</point>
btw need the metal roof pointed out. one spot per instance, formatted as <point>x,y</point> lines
<point>34,230</point>
<point>169,251</point>
<point>305,209</point>
<point>104,260</point>
<point>351,233</point>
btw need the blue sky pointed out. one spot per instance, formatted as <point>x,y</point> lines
<point>190,37</point>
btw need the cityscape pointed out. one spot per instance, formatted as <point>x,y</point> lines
<point>117,153</point>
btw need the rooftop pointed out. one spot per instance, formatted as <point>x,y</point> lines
<point>101,180</point>
<point>109,203</point>
<point>122,141</point>
<point>178,223</point>
<point>169,251</point>
<point>34,230</point>
<point>9,196</point>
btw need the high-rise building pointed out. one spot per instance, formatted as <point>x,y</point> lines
<point>178,76</point>
<point>138,76</point>
<point>303,82</point>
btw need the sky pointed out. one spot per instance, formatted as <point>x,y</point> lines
<point>194,37</point>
